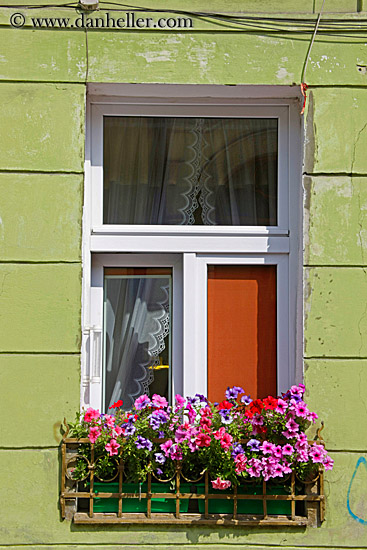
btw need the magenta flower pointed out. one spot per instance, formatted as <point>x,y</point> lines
<point>112,447</point>
<point>180,401</point>
<point>94,433</point>
<point>221,483</point>
<point>141,402</point>
<point>281,407</point>
<point>288,449</point>
<point>255,467</point>
<point>181,434</point>
<point>267,448</point>
<point>301,409</point>
<point>277,451</point>
<point>328,463</point>
<point>176,452</point>
<point>278,470</point>
<point>159,401</point>
<point>317,453</point>
<point>166,446</point>
<point>312,416</point>
<point>292,425</point>
<point>302,456</point>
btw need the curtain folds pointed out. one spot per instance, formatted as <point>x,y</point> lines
<point>136,325</point>
<point>184,171</point>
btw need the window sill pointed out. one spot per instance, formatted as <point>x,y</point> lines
<point>189,519</point>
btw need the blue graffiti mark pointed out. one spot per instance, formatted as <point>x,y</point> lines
<point>363,461</point>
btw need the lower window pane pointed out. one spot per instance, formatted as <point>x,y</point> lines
<point>137,339</point>
<point>242,334</point>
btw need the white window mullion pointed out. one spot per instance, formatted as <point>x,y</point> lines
<point>285,333</point>
<point>190,336</point>
<point>96,337</point>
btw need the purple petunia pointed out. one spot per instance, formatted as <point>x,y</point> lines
<point>226,416</point>
<point>246,399</point>
<point>143,443</point>
<point>197,399</point>
<point>253,444</point>
<point>160,458</point>
<point>130,430</point>
<point>237,449</point>
<point>157,418</point>
<point>233,393</point>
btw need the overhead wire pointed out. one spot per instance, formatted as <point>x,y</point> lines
<point>293,25</point>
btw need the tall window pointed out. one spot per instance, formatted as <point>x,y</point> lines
<point>191,256</point>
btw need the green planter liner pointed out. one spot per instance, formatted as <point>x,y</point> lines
<point>223,506</point>
<point>160,504</point>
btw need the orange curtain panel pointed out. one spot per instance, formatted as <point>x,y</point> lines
<point>242,330</point>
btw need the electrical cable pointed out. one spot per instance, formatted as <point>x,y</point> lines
<point>304,86</point>
<point>266,23</point>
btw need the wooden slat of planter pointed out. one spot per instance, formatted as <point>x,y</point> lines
<point>188,519</point>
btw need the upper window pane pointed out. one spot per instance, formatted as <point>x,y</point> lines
<point>190,171</point>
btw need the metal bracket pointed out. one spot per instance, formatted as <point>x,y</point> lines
<point>89,4</point>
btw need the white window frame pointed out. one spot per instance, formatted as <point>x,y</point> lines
<point>190,249</point>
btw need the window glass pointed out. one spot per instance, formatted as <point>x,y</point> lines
<point>185,171</point>
<point>137,335</point>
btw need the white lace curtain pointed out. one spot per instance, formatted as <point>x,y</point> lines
<point>136,325</point>
<point>185,171</point>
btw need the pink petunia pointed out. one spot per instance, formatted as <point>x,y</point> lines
<point>219,433</point>
<point>203,440</point>
<point>94,433</point>
<point>91,414</point>
<point>112,447</point>
<point>117,430</point>
<point>221,483</point>
<point>240,461</point>
<point>110,420</point>
<point>226,441</point>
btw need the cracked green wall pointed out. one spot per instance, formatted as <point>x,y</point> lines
<point>43,77</point>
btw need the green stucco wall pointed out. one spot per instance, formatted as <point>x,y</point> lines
<point>44,74</point>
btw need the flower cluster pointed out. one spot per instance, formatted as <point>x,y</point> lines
<point>235,439</point>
